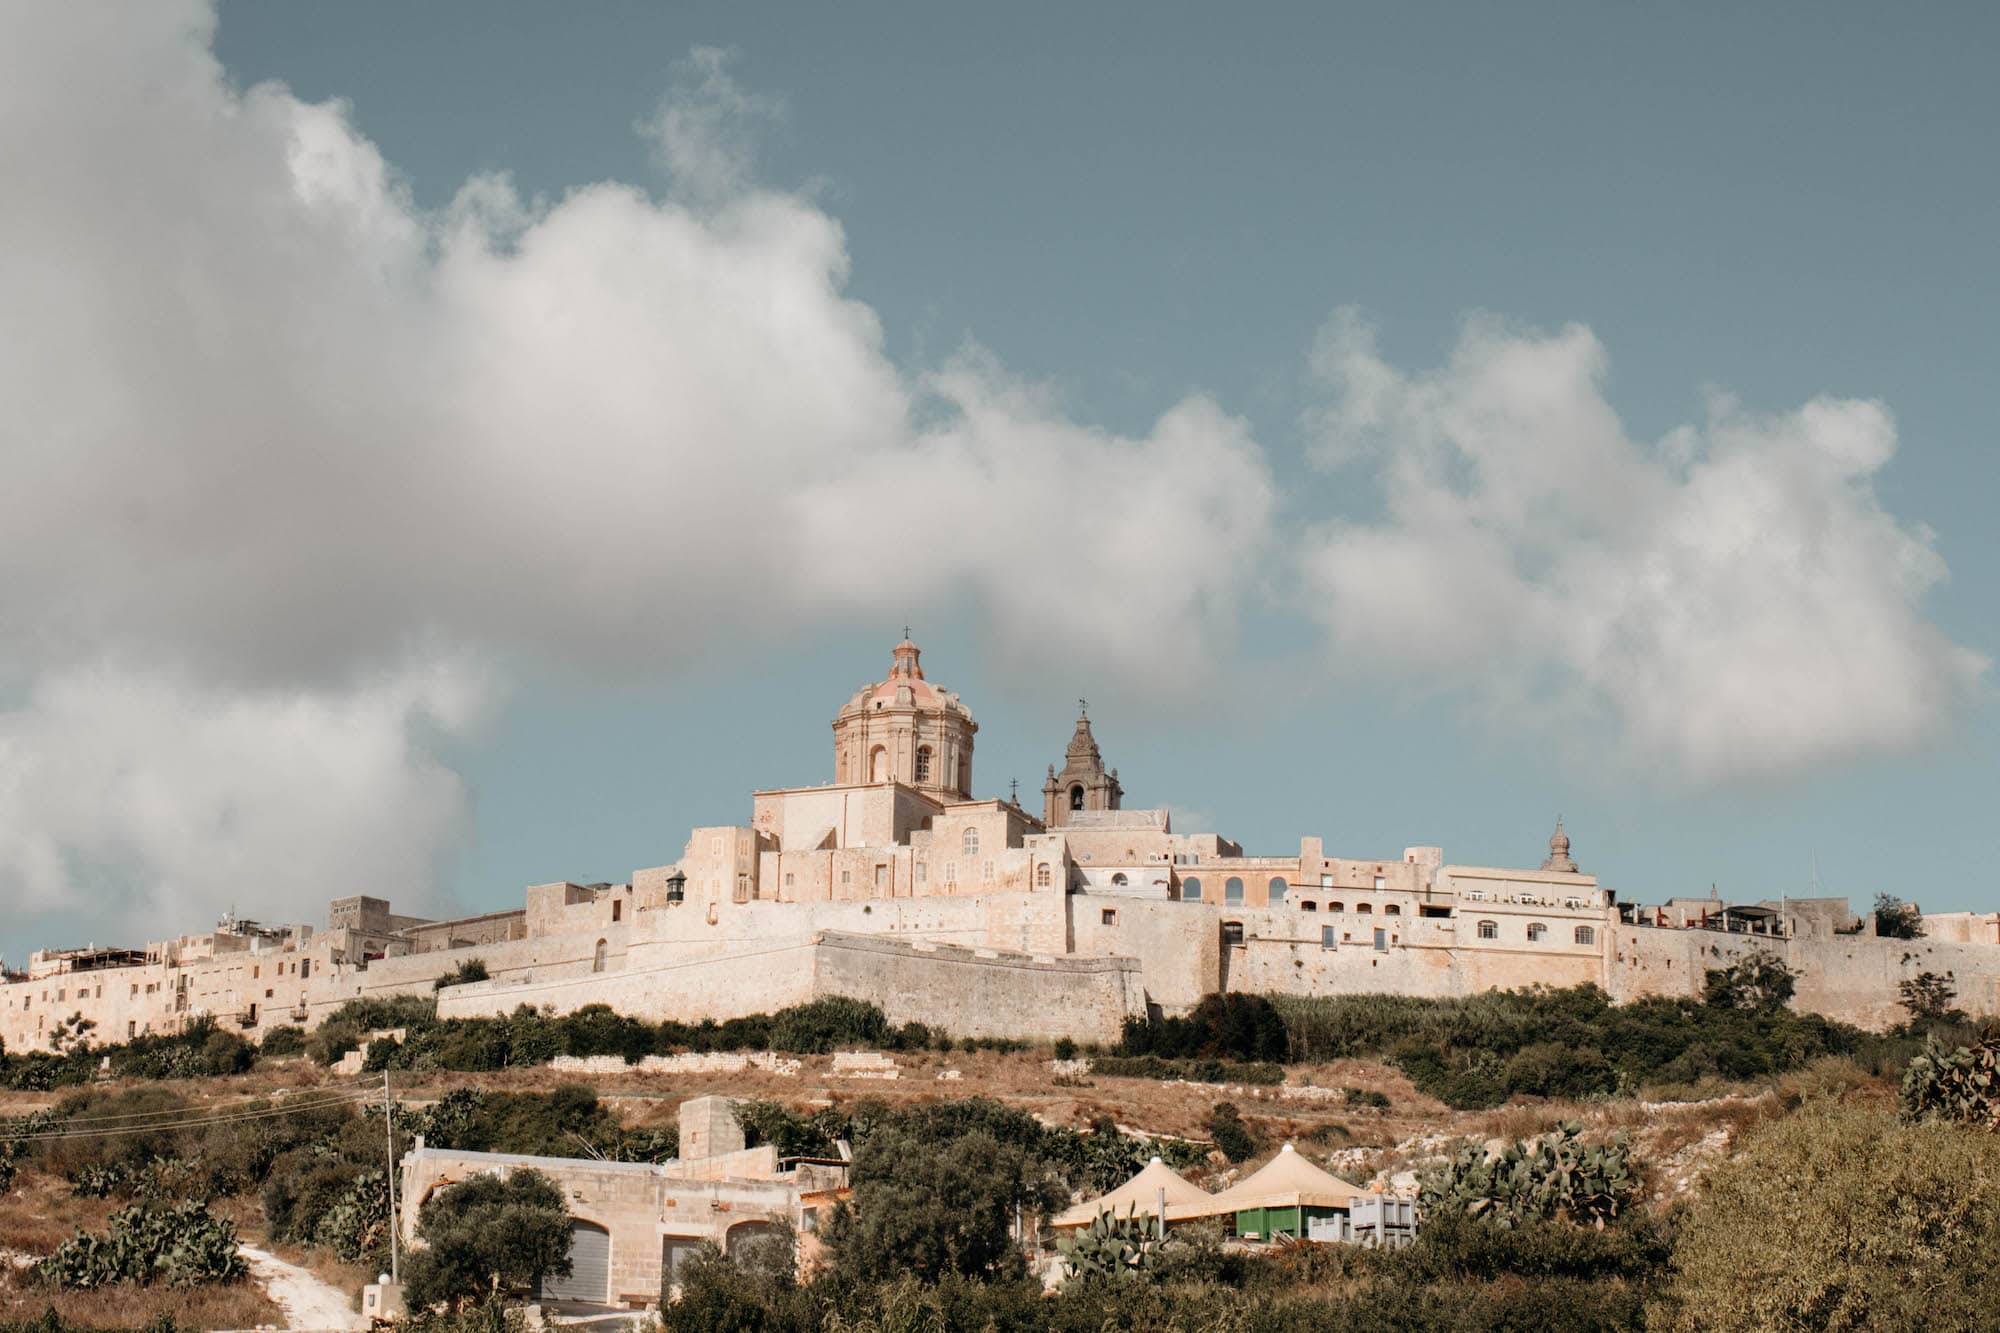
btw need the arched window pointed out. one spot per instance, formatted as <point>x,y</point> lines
<point>1119,881</point>
<point>1232,932</point>
<point>1278,887</point>
<point>878,764</point>
<point>597,959</point>
<point>1308,906</point>
<point>1536,930</point>
<point>1191,890</point>
<point>1489,930</point>
<point>1336,907</point>
<point>1232,890</point>
<point>1364,908</point>
<point>971,842</point>
<point>923,763</point>
<point>1391,909</point>
<point>1042,875</point>
<point>1585,935</point>
<point>1076,798</point>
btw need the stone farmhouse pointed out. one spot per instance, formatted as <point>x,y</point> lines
<point>896,884</point>
<point>633,1224</point>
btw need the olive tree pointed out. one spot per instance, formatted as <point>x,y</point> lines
<point>488,1235</point>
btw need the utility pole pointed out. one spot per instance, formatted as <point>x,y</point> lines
<point>395,1222</point>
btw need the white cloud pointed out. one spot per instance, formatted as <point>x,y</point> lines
<point>267,427</point>
<point>1733,603</point>
<point>148,806</point>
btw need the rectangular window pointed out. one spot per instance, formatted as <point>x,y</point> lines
<point>788,879</point>
<point>1109,916</point>
<point>1326,937</point>
<point>881,877</point>
<point>923,872</point>
<point>986,872</point>
<point>305,969</point>
<point>951,872</point>
<point>1381,939</point>
<point>1326,881</point>
<point>847,877</point>
<point>617,909</point>
<point>1381,882</point>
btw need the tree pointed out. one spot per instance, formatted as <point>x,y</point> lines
<point>1838,1217</point>
<point>72,1035</point>
<point>1928,996</point>
<point>486,1235</point>
<point>1225,1125</point>
<point>1896,919</point>
<point>1758,982</point>
<point>750,1289</point>
<point>938,1202</point>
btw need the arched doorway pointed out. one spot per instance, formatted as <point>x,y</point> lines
<point>589,1277</point>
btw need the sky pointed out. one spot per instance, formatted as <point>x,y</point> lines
<point>446,448</point>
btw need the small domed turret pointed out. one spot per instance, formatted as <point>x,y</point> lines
<point>1559,861</point>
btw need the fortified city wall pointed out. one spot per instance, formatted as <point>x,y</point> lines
<point>895,885</point>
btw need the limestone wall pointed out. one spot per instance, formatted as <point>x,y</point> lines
<point>983,992</point>
<point>1852,978</point>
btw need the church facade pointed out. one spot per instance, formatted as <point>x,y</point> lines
<point>894,883</point>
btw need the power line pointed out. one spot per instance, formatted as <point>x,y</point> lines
<point>256,1102</point>
<point>184,1122</point>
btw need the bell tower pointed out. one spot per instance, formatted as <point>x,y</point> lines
<point>905,729</point>
<point>1083,783</point>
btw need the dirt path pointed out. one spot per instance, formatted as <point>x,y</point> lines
<point>308,1302</point>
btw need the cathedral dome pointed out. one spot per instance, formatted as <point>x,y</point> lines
<point>905,728</point>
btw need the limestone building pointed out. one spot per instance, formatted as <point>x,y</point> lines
<point>895,883</point>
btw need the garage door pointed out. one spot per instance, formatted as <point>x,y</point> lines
<point>590,1267</point>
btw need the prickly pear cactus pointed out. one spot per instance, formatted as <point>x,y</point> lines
<point>184,1246</point>
<point>1556,1175</point>
<point>1959,1084</point>
<point>1112,1246</point>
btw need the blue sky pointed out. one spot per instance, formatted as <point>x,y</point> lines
<point>1404,423</point>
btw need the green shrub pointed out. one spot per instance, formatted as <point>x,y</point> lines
<point>1229,1026</point>
<point>1840,1217</point>
<point>283,1041</point>
<point>1476,1051</point>
<point>467,972</point>
<point>826,1025</point>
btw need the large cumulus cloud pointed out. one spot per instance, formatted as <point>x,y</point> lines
<point>276,442</point>
<point>1731,603</point>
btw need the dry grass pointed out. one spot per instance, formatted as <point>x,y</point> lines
<point>41,1213</point>
<point>232,1305</point>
